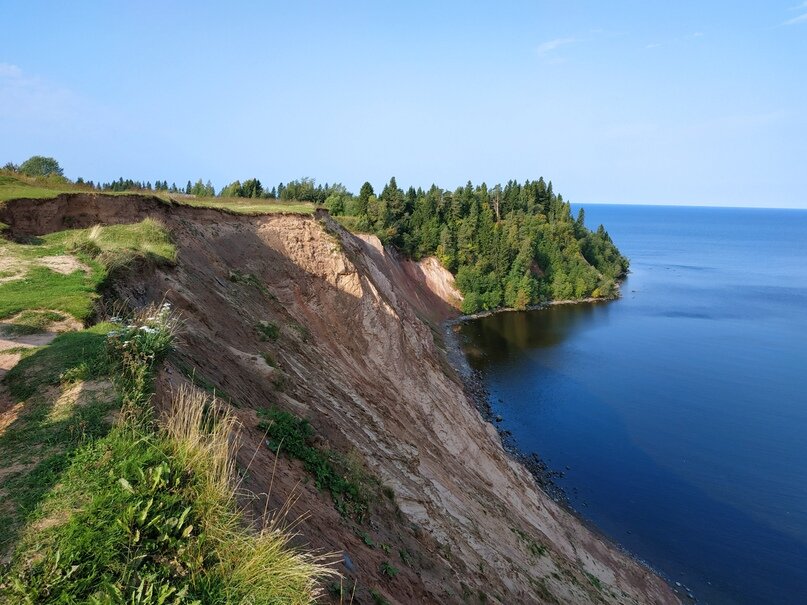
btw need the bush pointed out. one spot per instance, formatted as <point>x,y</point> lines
<point>267,330</point>
<point>40,166</point>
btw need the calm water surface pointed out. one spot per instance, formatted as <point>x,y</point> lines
<point>678,413</point>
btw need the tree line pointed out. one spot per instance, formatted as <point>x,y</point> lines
<point>512,245</point>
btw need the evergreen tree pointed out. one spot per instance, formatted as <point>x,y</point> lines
<point>514,245</point>
<point>364,197</point>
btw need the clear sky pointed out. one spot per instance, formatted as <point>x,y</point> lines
<point>635,102</point>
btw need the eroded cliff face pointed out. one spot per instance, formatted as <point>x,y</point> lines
<point>358,357</point>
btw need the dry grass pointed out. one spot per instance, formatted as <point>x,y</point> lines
<point>259,567</point>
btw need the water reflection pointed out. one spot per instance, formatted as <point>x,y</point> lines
<point>677,412</point>
<point>501,336</point>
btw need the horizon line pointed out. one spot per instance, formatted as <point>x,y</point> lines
<point>691,205</point>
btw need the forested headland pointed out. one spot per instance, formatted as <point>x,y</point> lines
<point>513,246</point>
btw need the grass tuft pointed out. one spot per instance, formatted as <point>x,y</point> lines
<point>535,548</point>
<point>388,569</point>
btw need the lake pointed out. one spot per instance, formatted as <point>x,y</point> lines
<point>678,414</point>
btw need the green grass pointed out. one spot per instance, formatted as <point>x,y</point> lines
<point>595,581</point>
<point>406,556</point>
<point>147,515</point>
<point>145,525</point>
<point>42,439</point>
<point>50,446</point>
<point>72,293</point>
<point>154,519</point>
<point>30,322</point>
<point>366,538</point>
<point>148,237</point>
<point>378,598</point>
<point>73,355</point>
<point>103,250</point>
<point>249,279</point>
<point>350,487</point>
<point>14,186</point>
<point>536,549</point>
<point>249,205</point>
<point>388,569</point>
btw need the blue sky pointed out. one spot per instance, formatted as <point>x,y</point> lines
<point>634,102</point>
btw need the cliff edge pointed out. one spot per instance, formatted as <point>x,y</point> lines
<point>293,313</point>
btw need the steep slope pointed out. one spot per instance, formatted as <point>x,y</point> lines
<point>352,351</point>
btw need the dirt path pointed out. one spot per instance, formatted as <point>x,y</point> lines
<point>12,343</point>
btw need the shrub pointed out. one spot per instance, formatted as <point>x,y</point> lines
<point>40,166</point>
<point>388,569</point>
<point>267,330</point>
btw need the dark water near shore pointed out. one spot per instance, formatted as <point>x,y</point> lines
<point>678,413</point>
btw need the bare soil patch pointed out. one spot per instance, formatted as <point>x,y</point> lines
<point>62,263</point>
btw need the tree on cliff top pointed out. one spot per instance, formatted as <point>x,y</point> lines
<point>39,165</point>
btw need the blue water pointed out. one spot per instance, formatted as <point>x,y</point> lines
<point>678,413</point>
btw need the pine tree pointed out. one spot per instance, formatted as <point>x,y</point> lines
<point>364,197</point>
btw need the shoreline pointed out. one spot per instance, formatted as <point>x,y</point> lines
<point>540,306</point>
<point>544,476</point>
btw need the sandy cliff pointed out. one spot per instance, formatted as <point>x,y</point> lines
<point>358,356</point>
